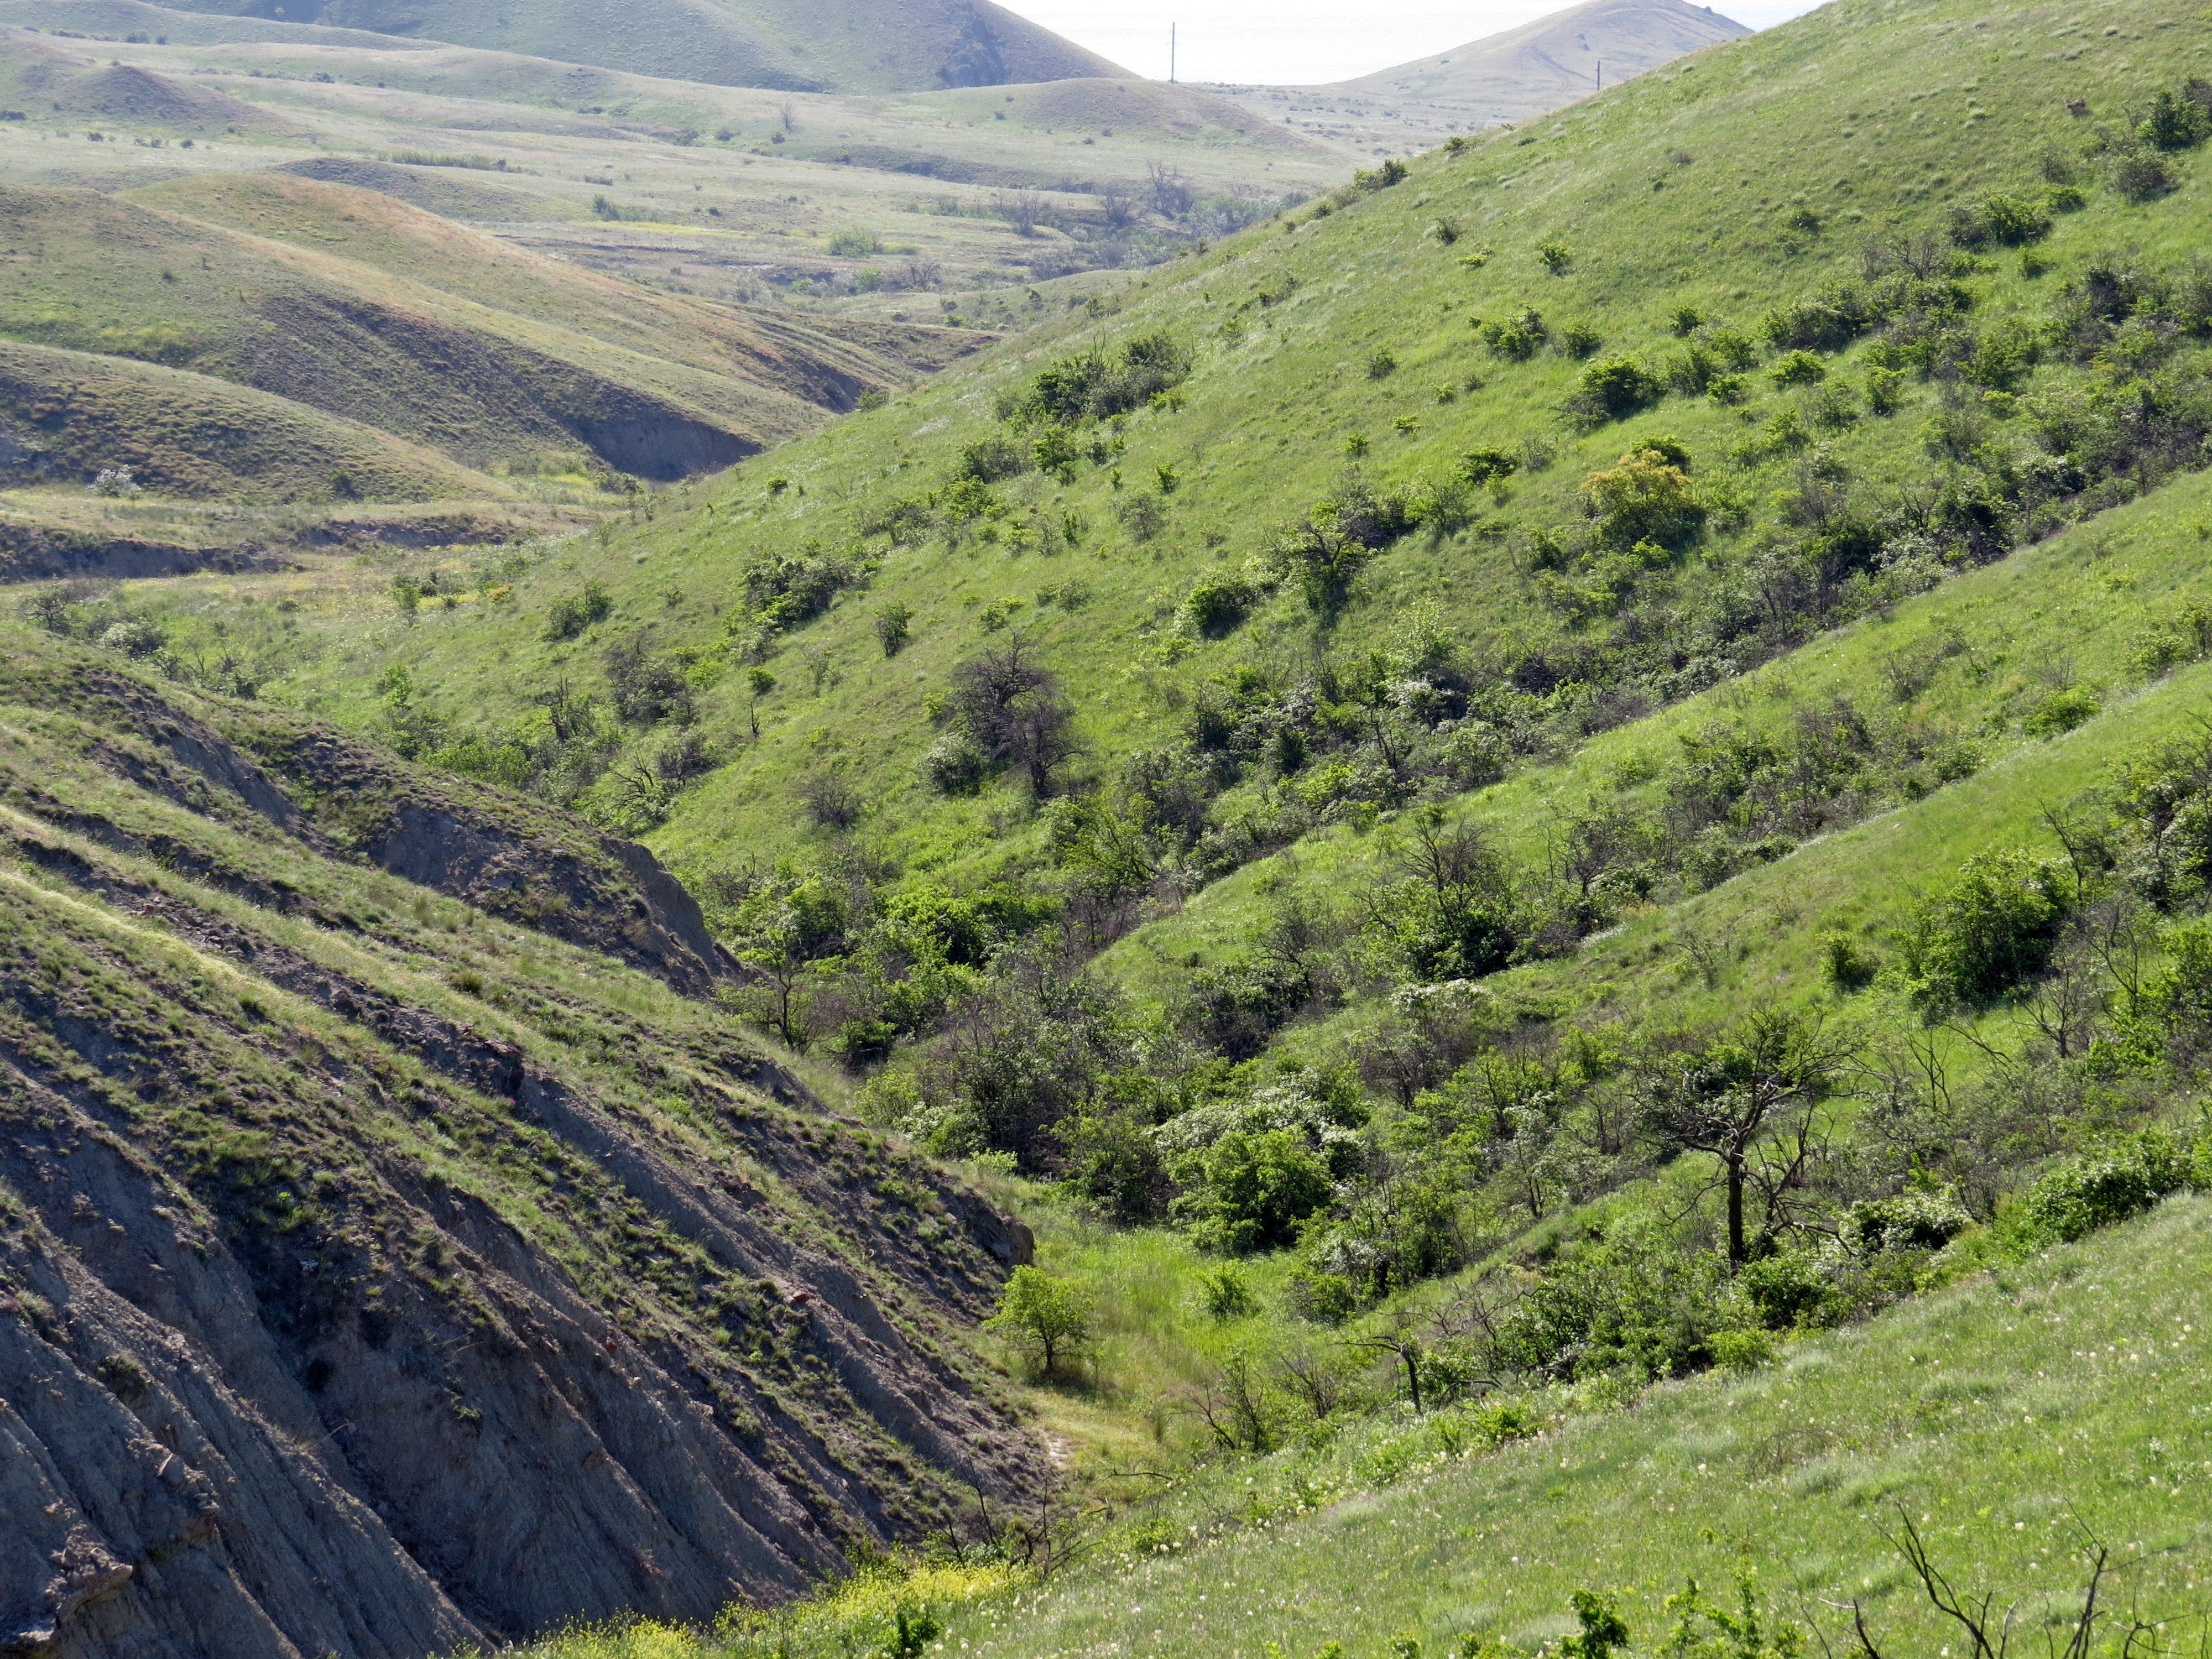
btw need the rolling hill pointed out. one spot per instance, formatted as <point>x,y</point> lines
<point>871,46</point>
<point>1535,68</point>
<point>356,304</point>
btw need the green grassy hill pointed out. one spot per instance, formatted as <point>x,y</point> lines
<point>359,305</point>
<point>1578,765</point>
<point>74,415</point>
<point>57,84</point>
<point>1658,197</point>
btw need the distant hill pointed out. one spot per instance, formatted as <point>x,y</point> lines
<point>840,46</point>
<point>1540,65</point>
<point>57,83</point>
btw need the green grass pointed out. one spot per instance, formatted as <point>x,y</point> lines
<point>2013,1418</point>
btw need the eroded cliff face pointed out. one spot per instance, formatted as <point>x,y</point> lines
<point>399,1247</point>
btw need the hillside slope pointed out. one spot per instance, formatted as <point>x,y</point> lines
<point>67,416</point>
<point>515,356</point>
<point>859,45</point>
<point>405,1254</point>
<point>1540,66</point>
<point>2018,1423</point>
<point>1663,198</point>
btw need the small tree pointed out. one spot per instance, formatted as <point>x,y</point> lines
<point>759,682</point>
<point>1647,496</point>
<point>894,628</point>
<point>1730,1098</point>
<point>1050,1317</point>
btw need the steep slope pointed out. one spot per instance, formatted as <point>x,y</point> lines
<point>398,1253</point>
<point>1555,60</point>
<point>1665,197</point>
<point>860,46</point>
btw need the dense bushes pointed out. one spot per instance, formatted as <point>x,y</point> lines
<point>1099,386</point>
<point>1992,928</point>
<point>2096,1191</point>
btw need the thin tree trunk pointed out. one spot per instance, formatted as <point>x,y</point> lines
<point>1735,1210</point>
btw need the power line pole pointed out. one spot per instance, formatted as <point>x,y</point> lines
<point>1601,74</point>
<point>1171,53</point>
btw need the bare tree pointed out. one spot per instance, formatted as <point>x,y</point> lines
<point>1170,191</point>
<point>1988,1633</point>
<point>1117,209</point>
<point>1025,209</point>
<point>787,114</point>
<point>1016,712</point>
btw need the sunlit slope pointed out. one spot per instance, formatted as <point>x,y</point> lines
<point>1667,193</point>
<point>66,417</point>
<point>2076,613</point>
<point>1554,60</point>
<point>2015,1420</point>
<point>61,85</point>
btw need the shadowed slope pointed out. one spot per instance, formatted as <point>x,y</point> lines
<point>377,1312</point>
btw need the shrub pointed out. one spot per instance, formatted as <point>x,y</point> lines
<point>1924,1219</point>
<point>1614,388</point>
<point>2175,120</point>
<point>1686,320</point>
<point>1098,385</point>
<point>894,628</point>
<point>646,689</point>
<point>1579,340</point>
<point>2104,1187</point>
<point>1488,465</point>
<point>1556,256</point>
<point>955,764</point>
<point>1518,337</point>
<point>1382,363</point>
<point>1218,605</point>
<point>1799,368</point>
<point>1993,927</point>
<point>784,589</point>
<point>2062,711</point>
<point>1623,1305</point>
<point>1250,1191</point>
<point>854,243</point>
<point>989,459</point>
<point>1646,497</point>
<point>569,617</point>
<point>2010,221</point>
<point>1226,1293</point>
<point>1848,968</point>
<point>2139,174</point>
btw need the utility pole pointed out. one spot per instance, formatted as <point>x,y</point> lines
<point>1171,53</point>
<point>1601,74</point>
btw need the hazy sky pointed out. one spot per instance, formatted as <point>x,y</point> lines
<point>1288,42</point>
